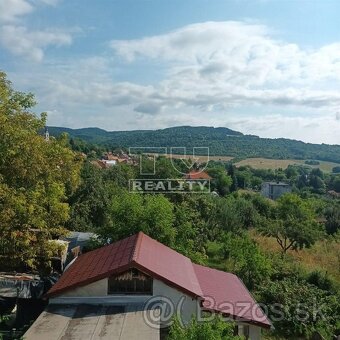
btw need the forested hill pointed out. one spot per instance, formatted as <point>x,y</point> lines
<point>221,142</point>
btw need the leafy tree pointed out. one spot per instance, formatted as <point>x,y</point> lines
<point>91,201</point>
<point>317,184</point>
<point>35,178</point>
<point>221,181</point>
<point>231,173</point>
<point>245,259</point>
<point>335,183</point>
<point>243,178</point>
<point>317,172</point>
<point>263,205</point>
<point>298,309</point>
<point>291,172</point>
<point>190,227</point>
<point>119,175</point>
<point>233,214</point>
<point>294,225</point>
<point>332,214</point>
<point>132,212</point>
<point>216,329</point>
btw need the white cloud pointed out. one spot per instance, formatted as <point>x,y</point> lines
<point>10,10</point>
<point>30,44</point>
<point>212,72</point>
<point>49,2</point>
<point>316,129</point>
<point>215,65</point>
<point>19,39</point>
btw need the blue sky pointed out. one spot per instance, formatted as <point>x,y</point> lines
<point>265,67</point>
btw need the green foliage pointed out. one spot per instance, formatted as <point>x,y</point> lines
<point>35,178</point>
<point>322,281</point>
<point>190,228</point>
<point>332,214</point>
<point>220,182</point>
<point>335,183</point>
<point>312,162</point>
<point>232,214</point>
<point>298,308</point>
<point>131,213</point>
<point>215,329</point>
<point>220,141</point>
<point>245,259</point>
<point>294,225</point>
<point>91,201</point>
<point>336,170</point>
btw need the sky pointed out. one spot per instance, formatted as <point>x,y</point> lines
<point>264,67</point>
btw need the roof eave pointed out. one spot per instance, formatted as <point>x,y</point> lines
<point>241,319</point>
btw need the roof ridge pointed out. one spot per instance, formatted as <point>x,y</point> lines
<point>214,269</point>
<point>136,249</point>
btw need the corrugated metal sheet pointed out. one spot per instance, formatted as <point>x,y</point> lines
<point>138,251</point>
<point>229,295</point>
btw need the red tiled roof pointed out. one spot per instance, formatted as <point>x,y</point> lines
<point>146,254</point>
<point>167,264</point>
<point>197,175</point>
<point>96,265</point>
<point>225,292</point>
<point>136,251</point>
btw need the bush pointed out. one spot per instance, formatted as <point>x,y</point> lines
<point>312,162</point>
<point>215,329</point>
<point>336,170</point>
<point>298,308</point>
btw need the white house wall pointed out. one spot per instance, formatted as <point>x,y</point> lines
<point>96,293</point>
<point>98,288</point>
<point>186,305</point>
<point>161,292</point>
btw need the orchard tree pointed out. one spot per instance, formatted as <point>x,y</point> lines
<point>294,226</point>
<point>132,212</point>
<point>245,259</point>
<point>36,176</point>
<point>220,180</point>
<point>332,214</point>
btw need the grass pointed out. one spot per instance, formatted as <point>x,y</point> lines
<point>323,256</point>
<point>265,163</point>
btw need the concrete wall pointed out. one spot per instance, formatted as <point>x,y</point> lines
<point>98,288</point>
<point>274,191</point>
<point>179,302</point>
<point>254,333</point>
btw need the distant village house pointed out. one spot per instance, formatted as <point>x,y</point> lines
<point>274,190</point>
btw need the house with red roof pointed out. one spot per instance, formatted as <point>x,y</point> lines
<point>196,174</point>
<point>117,288</point>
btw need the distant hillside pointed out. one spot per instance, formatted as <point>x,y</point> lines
<point>221,142</point>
